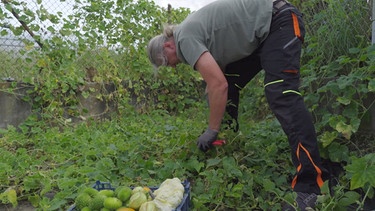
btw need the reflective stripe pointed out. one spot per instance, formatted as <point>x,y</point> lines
<point>232,75</point>
<point>291,42</point>
<point>273,82</point>
<point>238,86</point>
<point>319,179</point>
<point>284,92</point>
<point>291,91</point>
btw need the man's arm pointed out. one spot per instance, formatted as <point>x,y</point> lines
<point>217,88</point>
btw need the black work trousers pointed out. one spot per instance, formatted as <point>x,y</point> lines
<point>279,56</point>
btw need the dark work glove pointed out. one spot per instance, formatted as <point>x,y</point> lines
<point>204,142</point>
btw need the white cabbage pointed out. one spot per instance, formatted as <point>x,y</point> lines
<point>169,195</point>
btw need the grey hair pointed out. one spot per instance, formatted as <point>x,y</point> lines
<point>155,46</point>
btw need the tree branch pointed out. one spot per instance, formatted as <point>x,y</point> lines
<point>24,25</point>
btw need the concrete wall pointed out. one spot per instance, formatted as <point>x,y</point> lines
<point>13,108</point>
<point>91,106</point>
<point>16,103</point>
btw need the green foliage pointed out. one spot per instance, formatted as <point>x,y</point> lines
<point>9,196</point>
<point>334,27</point>
<point>137,149</point>
<point>341,102</point>
<point>362,171</point>
<point>48,155</point>
<point>102,42</point>
<point>253,101</point>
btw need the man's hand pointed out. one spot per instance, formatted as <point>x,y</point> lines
<point>204,142</point>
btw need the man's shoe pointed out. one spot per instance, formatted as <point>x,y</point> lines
<point>305,200</point>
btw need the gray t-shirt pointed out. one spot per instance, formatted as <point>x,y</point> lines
<point>229,29</point>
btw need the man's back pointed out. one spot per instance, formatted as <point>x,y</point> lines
<point>228,29</point>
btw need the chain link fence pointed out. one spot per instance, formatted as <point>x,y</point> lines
<point>25,23</point>
<point>338,25</point>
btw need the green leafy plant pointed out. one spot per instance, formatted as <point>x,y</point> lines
<point>151,137</point>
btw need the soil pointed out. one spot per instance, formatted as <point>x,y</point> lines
<point>22,206</point>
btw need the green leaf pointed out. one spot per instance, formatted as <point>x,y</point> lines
<point>12,197</point>
<point>354,50</point>
<point>105,164</point>
<point>57,204</point>
<point>344,100</point>
<point>338,153</point>
<point>9,196</point>
<point>328,137</point>
<point>34,200</point>
<point>85,94</point>
<point>18,31</point>
<point>51,29</point>
<point>230,166</point>
<point>351,111</point>
<point>349,198</point>
<point>345,129</point>
<point>4,32</point>
<point>355,123</point>
<point>29,12</point>
<point>268,185</point>
<point>363,171</point>
<point>193,163</point>
<point>213,162</point>
<point>65,32</point>
<point>236,191</point>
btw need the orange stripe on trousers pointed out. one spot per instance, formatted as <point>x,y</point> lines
<point>319,179</point>
<point>297,31</point>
